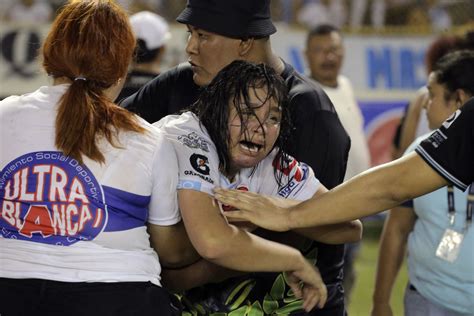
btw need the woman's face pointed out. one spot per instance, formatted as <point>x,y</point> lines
<point>438,108</point>
<point>252,138</point>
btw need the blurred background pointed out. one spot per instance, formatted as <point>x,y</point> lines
<point>385,43</point>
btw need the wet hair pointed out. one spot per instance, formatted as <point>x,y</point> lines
<point>321,30</point>
<point>231,87</point>
<point>90,42</point>
<point>456,71</point>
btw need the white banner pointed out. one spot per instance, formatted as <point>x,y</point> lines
<point>378,66</point>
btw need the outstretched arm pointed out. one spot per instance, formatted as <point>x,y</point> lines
<point>372,191</point>
<point>349,231</point>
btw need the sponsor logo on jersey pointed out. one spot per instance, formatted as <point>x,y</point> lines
<point>192,173</point>
<point>294,171</point>
<point>450,120</point>
<point>240,187</point>
<point>193,140</point>
<point>436,138</point>
<point>291,169</point>
<point>200,163</point>
<point>50,198</point>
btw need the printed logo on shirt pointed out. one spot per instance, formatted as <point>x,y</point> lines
<point>295,172</point>
<point>50,198</point>
<point>200,163</point>
<point>240,187</point>
<point>291,169</point>
<point>450,120</point>
<point>193,140</point>
<point>436,138</point>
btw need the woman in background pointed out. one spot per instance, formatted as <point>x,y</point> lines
<point>79,179</point>
<point>441,284</point>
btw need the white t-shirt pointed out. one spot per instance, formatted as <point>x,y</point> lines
<point>198,164</point>
<point>343,99</point>
<point>64,221</point>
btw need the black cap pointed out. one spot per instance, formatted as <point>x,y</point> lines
<point>231,18</point>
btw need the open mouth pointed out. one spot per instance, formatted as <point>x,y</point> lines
<point>251,147</point>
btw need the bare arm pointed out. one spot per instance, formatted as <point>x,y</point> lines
<point>173,245</point>
<point>226,245</point>
<point>350,231</point>
<point>197,274</point>
<point>372,191</point>
<point>410,125</point>
<point>393,241</point>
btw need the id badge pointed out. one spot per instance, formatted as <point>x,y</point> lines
<point>448,248</point>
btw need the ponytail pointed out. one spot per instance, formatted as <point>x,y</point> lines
<point>91,43</point>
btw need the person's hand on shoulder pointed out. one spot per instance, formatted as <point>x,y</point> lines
<point>264,211</point>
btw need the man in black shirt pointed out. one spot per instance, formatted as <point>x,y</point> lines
<point>223,31</point>
<point>450,149</point>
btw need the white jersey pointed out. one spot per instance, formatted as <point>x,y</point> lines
<point>198,164</point>
<point>65,221</point>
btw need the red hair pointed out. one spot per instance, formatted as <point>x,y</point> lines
<point>94,40</point>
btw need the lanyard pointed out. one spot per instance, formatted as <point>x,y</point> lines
<point>469,206</point>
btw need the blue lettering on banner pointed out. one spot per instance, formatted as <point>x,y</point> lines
<point>296,59</point>
<point>380,65</point>
<point>398,68</point>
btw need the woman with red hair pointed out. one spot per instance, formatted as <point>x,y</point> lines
<point>78,182</point>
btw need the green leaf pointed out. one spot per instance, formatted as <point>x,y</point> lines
<point>290,299</point>
<point>239,312</point>
<point>255,310</point>
<point>186,314</point>
<point>218,314</point>
<point>243,296</point>
<point>200,309</point>
<point>236,290</point>
<point>292,307</point>
<point>278,288</point>
<point>269,304</point>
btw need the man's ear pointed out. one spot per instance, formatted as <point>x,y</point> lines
<point>245,46</point>
<point>461,97</point>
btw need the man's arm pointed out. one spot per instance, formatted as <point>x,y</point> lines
<point>350,231</point>
<point>372,191</point>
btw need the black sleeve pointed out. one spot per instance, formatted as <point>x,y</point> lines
<point>450,149</point>
<point>166,94</point>
<point>149,102</point>
<point>319,139</point>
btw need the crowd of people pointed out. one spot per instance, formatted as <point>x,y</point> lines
<point>229,183</point>
<point>353,15</point>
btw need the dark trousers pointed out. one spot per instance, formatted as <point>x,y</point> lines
<point>43,297</point>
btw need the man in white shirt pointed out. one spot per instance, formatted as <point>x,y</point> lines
<point>325,54</point>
